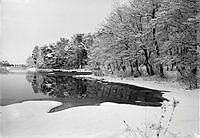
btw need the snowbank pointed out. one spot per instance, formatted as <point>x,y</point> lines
<point>31,119</point>
<point>186,116</point>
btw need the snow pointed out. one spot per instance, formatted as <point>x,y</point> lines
<point>187,113</point>
<point>31,69</point>
<point>31,118</point>
<point>49,55</point>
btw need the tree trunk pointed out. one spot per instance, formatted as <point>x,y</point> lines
<point>172,66</point>
<point>110,67</point>
<point>155,41</point>
<point>124,68</point>
<point>194,72</point>
<point>147,68</point>
<point>137,67</point>
<point>151,69</point>
<point>117,66</point>
<point>161,71</point>
<point>179,71</point>
<point>122,65</point>
<point>148,65</point>
<point>131,65</point>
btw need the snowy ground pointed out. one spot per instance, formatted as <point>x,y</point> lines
<point>31,119</point>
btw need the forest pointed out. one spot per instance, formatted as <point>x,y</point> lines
<point>141,38</point>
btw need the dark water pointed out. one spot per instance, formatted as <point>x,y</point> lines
<point>73,91</point>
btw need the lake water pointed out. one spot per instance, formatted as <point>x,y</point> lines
<point>72,91</point>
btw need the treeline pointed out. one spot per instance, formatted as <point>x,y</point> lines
<point>5,63</point>
<point>64,54</point>
<point>144,37</point>
<point>160,35</point>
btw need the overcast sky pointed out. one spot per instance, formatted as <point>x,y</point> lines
<point>26,23</point>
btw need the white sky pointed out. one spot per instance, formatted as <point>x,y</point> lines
<point>26,23</point>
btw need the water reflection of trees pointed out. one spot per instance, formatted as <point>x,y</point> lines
<point>56,86</point>
<point>67,86</point>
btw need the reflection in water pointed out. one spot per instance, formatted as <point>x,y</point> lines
<point>81,89</point>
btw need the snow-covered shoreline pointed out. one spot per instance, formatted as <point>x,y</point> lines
<point>51,70</point>
<point>31,118</point>
<point>164,86</point>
